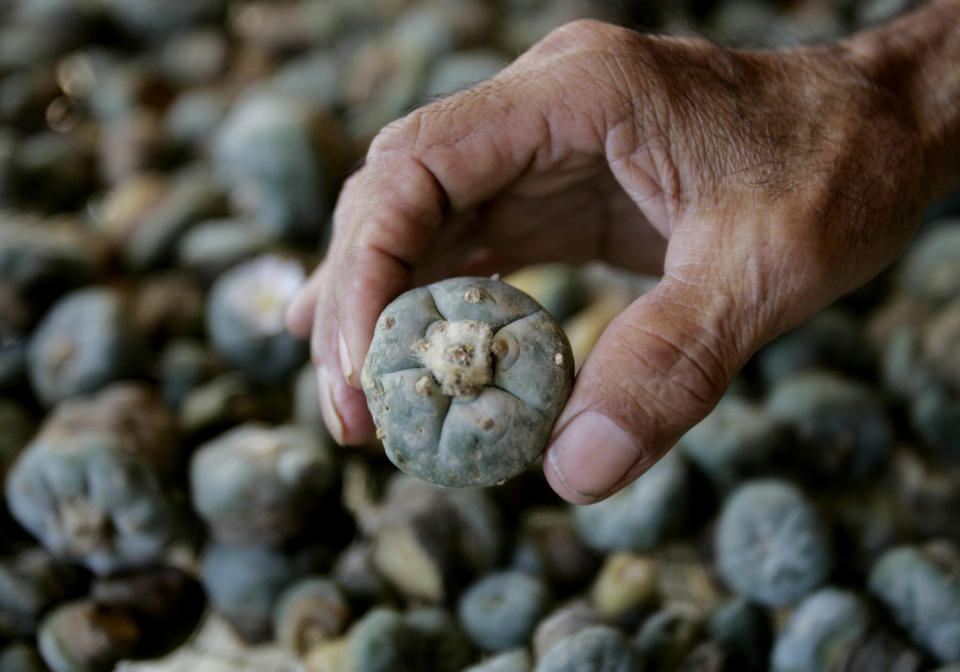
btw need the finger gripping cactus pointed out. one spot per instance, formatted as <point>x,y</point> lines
<point>465,379</point>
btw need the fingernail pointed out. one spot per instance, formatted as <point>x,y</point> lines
<point>346,365</point>
<point>592,454</point>
<point>327,406</point>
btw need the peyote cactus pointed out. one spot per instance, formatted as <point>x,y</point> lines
<point>500,611</point>
<point>244,582</point>
<point>922,593</point>
<point>90,500</point>
<point>564,622</point>
<point>131,412</point>
<point>267,155</point>
<point>83,343</point>
<point>771,544</point>
<point>245,317</point>
<point>465,379</point>
<point>929,270</point>
<point>643,513</point>
<point>512,661</point>
<point>737,440</point>
<point>423,639</point>
<point>821,632</point>
<point>597,649</point>
<point>841,425</point>
<point>258,484</point>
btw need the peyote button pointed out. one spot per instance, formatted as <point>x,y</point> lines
<point>465,378</point>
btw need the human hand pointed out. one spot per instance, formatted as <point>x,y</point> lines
<point>762,185</point>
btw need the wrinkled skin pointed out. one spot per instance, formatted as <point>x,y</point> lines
<point>762,185</point>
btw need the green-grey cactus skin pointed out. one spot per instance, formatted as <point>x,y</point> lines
<point>821,632</point>
<point>31,581</point>
<point>194,114</point>
<point>771,544</point>
<point>564,622</point>
<point>465,379</point>
<point>737,440</point>
<point>258,484</point>
<point>935,415</point>
<point>668,636</point>
<point>500,611</point>
<point>213,246</point>
<point>940,348</point>
<point>184,365</point>
<point>923,596</point>
<point>85,342</point>
<point>313,77</point>
<point>90,501</point>
<point>157,18</point>
<point>245,314</point>
<point>641,515</point>
<point>518,660</point>
<point>745,629</point>
<point>841,424</point>
<point>424,639</point>
<point>267,156</point>
<point>308,612</point>
<point>244,582</point>
<point>929,271</point>
<point>597,649</point>
<point>87,636</point>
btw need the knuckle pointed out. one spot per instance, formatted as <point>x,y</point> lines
<point>579,35</point>
<point>400,135</point>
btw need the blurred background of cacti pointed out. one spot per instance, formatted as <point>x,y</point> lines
<point>167,173</point>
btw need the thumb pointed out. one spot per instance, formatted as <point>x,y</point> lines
<point>656,371</point>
